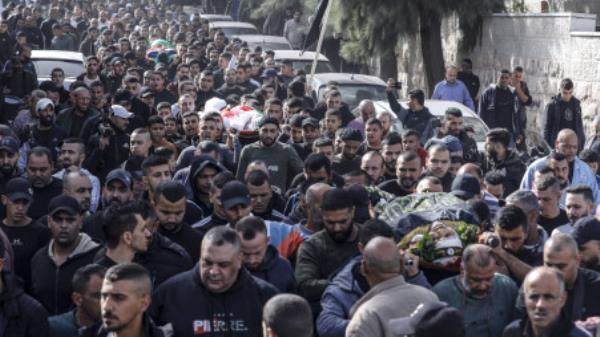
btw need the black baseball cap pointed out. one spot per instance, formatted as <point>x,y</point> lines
<point>585,230</point>
<point>146,92</point>
<point>9,144</point>
<point>120,175</point>
<point>465,186</point>
<point>310,121</point>
<point>64,203</point>
<point>202,162</point>
<point>18,188</point>
<point>432,319</point>
<point>234,193</point>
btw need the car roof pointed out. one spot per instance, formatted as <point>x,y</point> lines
<point>438,107</point>
<point>57,55</point>
<point>220,24</point>
<point>257,38</point>
<point>348,78</point>
<point>216,17</point>
<point>295,55</point>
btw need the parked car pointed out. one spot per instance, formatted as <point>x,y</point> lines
<point>72,63</point>
<point>266,42</point>
<point>303,61</point>
<point>535,143</point>
<point>353,87</point>
<point>231,28</point>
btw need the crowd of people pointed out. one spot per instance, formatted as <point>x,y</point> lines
<point>133,205</point>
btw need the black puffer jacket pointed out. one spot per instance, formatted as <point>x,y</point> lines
<point>148,327</point>
<point>512,168</point>
<point>21,315</point>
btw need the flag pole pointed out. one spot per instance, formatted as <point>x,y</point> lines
<point>320,42</point>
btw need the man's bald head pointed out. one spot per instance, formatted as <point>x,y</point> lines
<point>315,192</point>
<point>567,143</point>
<point>471,169</point>
<point>381,256</point>
<point>565,134</point>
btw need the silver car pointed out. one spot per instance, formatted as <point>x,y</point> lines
<point>72,63</point>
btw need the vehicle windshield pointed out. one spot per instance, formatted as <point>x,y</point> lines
<point>71,68</point>
<point>272,45</point>
<point>478,127</point>
<point>352,94</point>
<point>322,66</point>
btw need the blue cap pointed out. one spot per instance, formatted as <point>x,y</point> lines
<point>9,144</point>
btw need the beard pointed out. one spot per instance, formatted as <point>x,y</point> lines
<point>267,141</point>
<point>407,183</point>
<point>46,121</point>
<point>341,237</point>
<point>493,155</point>
<point>7,170</point>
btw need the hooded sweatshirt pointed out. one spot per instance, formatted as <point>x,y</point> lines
<point>20,315</point>
<point>194,310</point>
<point>50,283</point>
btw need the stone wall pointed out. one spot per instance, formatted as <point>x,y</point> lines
<point>549,46</point>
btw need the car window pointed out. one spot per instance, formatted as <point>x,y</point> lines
<point>322,66</point>
<point>479,128</point>
<point>71,68</point>
<point>229,31</point>
<point>353,94</point>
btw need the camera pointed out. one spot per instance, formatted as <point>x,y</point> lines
<point>105,130</point>
<point>493,241</point>
<point>396,85</point>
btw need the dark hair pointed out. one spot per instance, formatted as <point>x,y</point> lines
<point>273,101</point>
<point>504,71</point>
<point>511,217</point>
<point>359,173</point>
<point>392,138</point>
<point>249,226</point>
<point>316,161</point>
<point>74,140</point>
<point>84,274</point>
<point>494,178</point>
<point>372,228</point>
<point>566,84</point>
<point>411,132</point>
<point>172,190</point>
<point>417,94</point>
<point>153,160</point>
<point>453,112</point>
<point>584,190</point>
<point>129,272</point>
<point>544,169</point>
<point>258,178</point>
<point>220,179</point>
<point>589,156</point>
<point>408,156</point>
<point>550,182</point>
<point>518,69</point>
<point>207,146</point>
<point>333,112</point>
<point>155,120</point>
<point>374,121</point>
<point>499,135</point>
<point>118,219</point>
<point>337,199</point>
<point>320,142</point>
<point>222,235</point>
<point>479,208</point>
<point>294,102</point>
<point>288,315</point>
<point>467,60</point>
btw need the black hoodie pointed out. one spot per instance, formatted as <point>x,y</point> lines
<point>277,271</point>
<point>20,314</point>
<point>193,310</point>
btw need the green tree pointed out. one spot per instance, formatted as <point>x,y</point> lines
<point>376,25</point>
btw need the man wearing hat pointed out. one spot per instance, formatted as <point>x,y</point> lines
<point>9,156</point>
<point>26,236</point>
<point>466,187</point>
<point>348,160</point>
<point>432,319</point>
<point>282,160</point>
<point>381,266</point>
<point>68,250</point>
<point>45,132</point>
<point>586,233</point>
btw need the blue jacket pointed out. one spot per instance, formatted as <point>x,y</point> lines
<point>582,175</point>
<point>341,294</point>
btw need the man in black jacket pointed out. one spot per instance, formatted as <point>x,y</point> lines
<point>563,112</point>
<point>261,258</point>
<point>22,316</point>
<point>417,116</point>
<point>54,265</point>
<point>216,296</point>
<point>499,158</point>
<point>125,294</point>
